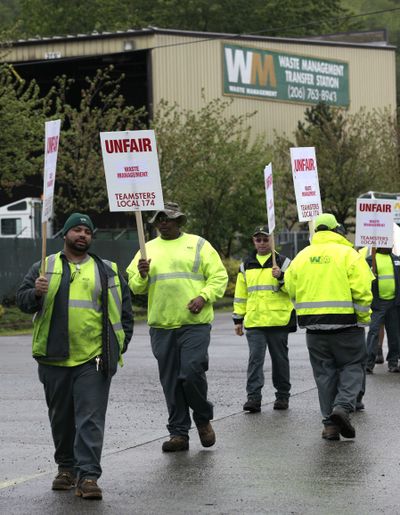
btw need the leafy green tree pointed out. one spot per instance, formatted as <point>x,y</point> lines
<point>22,115</point>
<point>80,183</point>
<point>269,17</point>
<point>59,17</point>
<point>355,154</point>
<point>210,165</point>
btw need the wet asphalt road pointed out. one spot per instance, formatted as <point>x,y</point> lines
<point>271,462</point>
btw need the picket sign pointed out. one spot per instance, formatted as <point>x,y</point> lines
<point>51,142</point>
<point>132,174</point>
<point>269,197</point>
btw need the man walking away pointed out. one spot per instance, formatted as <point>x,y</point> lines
<point>330,284</point>
<point>385,308</point>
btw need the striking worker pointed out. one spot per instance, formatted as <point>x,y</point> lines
<point>265,311</point>
<point>83,324</point>
<point>183,277</point>
<point>330,284</point>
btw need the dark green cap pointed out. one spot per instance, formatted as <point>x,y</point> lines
<point>77,219</point>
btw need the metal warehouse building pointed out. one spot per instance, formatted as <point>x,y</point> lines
<point>276,77</point>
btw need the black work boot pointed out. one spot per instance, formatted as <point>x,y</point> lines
<point>281,403</point>
<point>176,443</point>
<point>64,480</point>
<point>252,406</point>
<point>379,357</point>
<point>88,489</point>
<point>341,418</point>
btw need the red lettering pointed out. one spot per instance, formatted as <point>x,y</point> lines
<point>52,144</point>
<point>128,145</point>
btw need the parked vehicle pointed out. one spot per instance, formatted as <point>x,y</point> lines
<point>23,219</point>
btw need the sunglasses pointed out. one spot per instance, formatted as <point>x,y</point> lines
<point>163,218</point>
<point>261,240</point>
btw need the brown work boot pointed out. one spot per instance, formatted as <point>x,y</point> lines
<point>206,434</point>
<point>64,480</point>
<point>88,489</point>
<point>331,433</point>
<point>176,443</point>
<point>281,403</point>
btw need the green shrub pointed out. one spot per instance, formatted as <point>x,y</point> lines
<point>232,267</point>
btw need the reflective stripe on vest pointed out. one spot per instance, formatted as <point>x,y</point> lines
<point>239,300</point>
<point>94,303</point>
<point>197,259</point>
<point>259,287</point>
<point>113,288</point>
<point>331,304</point>
<point>286,263</point>
<point>385,277</point>
<point>176,275</point>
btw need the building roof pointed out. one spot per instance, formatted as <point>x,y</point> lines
<point>369,39</point>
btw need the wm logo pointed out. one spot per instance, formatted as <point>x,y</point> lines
<point>250,67</point>
<point>320,260</point>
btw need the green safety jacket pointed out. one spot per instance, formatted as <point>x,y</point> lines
<point>259,300</point>
<point>330,284</point>
<point>79,306</point>
<point>180,270</point>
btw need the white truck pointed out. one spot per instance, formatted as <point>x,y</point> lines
<point>23,219</point>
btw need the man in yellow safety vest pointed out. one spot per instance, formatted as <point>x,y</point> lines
<point>183,277</point>
<point>265,311</point>
<point>330,284</point>
<point>83,323</point>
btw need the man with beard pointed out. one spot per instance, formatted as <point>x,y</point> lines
<point>83,324</point>
<point>183,277</point>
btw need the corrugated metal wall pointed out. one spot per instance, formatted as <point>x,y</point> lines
<point>185,70</point>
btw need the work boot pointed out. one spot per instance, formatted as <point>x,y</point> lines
<point>64,480</point>
<point>341,418</point>
<point>206,434</point>
<point>281,403</point>
<point>176,443</point>
<point>394,369</point>
<point>252,406</point>
<point>331,433</point>
<point>360,406</point>
<point>369,369</point>
<point>88,489</point>
<point>379,357</point>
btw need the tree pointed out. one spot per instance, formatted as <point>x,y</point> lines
<point>209,165</point>
<point>80,183</point>
<point>22,115</point>
<point>60,17</point>
<point>268,17</point>
<point>355,154</point>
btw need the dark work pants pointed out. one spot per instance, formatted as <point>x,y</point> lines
<point>338,361</point>
<point>77,399</point>
<point>182,356</point>
<point>388,314</point>
<point>277,342</point>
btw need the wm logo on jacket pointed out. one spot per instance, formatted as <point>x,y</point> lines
<point>320,260</point>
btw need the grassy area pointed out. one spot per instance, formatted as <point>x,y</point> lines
<point>14,322</point>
